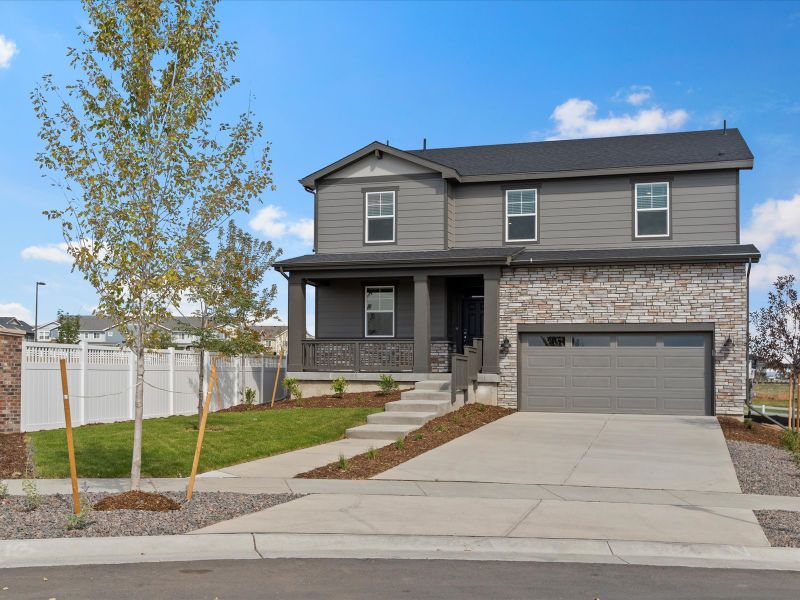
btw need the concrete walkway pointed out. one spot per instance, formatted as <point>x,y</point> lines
<point>612,451</point>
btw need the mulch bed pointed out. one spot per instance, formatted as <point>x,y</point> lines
<point>434,433</point>
<point>13,455</point>
<point>50,519</point>
<point>735,429</point>
<point>782,527</point>
<point>137,500</point>
<point>350,400</point>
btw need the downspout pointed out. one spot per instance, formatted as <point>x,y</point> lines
<point>748,399</point>
<point>286,277</point>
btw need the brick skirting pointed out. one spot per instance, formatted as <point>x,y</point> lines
<point>10,381</point>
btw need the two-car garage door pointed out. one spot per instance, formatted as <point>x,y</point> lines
<point>648,373</point>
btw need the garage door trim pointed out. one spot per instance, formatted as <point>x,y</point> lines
<point>702,327</point>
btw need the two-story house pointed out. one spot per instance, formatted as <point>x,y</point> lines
<point>603,275</point>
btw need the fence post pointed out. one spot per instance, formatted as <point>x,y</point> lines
<point>204,366</point>
<point>171,381</point>
<point>235,381</point>
<point>131,384</point>
<point>262,399</point>
<point>84,367</point>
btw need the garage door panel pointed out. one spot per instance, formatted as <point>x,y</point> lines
<point>616,373</point>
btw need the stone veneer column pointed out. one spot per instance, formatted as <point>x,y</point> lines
<point>10,381</point>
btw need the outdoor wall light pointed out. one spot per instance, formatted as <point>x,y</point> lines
<point>505,345</point>
<point>728,343</point>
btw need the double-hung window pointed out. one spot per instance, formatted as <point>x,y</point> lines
<point>521,215</point>
<point>379,311</point>
<point>652,210</point>
<point>380,219</point>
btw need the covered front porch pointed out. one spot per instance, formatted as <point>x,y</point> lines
<point>393,320</point>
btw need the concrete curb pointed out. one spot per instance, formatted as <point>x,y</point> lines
<point>81,551</point>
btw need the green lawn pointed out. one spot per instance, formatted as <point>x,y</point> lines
<point>168,443</point>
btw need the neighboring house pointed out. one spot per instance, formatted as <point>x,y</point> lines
<point>101,331</point>
<point>275,337</point>
<point>604,275</point>
<point>15,324</point>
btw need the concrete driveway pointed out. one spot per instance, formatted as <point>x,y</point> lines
<point>612,451</point>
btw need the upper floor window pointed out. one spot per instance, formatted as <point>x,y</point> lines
<point>521,219</point>
<point>379,311</point>
<point>380,217</point>
<point>652,210</point>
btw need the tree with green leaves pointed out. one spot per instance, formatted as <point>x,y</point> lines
<point>69,327</point>
<point>231,297</point>
<point>158,339</point>
<point>145,172</point>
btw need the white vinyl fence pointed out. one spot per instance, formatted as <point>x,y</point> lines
<point>102,383</point>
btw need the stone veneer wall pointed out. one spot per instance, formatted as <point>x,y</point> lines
<point>10,382</point>
<point>441,352</point>
<point>636,293</point>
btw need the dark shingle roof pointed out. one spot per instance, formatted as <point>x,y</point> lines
<point>497,255</point>
<point>15,323</point>
<point>594,153</point>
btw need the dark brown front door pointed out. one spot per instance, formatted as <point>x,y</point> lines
<point>471,320</point>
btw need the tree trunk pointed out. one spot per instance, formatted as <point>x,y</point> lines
<point>136,460</point>
<point>790,407</point>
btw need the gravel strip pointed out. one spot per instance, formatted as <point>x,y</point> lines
<point>782,527</point>
<point>50,519</point>
<point>763,469</point>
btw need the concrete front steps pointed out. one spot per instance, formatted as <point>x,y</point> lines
<point>428,399</point>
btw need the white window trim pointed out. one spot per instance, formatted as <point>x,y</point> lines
<point>367,217</point>
<point>637,210</point>
<point>366,312</point>
<point>535,213</point>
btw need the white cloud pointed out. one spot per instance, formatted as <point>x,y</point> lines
<point>7,49</point>
<point>635,94</point>
<point>15,309</point>
<point>271,222</point>
<point>577,118</point>
<point>773,221</point>
<point>56,253</point>
<point>765,272</point>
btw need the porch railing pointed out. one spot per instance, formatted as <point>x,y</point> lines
<point>368,356</point>
<point>465,368</point>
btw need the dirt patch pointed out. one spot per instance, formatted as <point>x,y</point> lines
<point>52,517</point>
<point>136,500</point>
<point>434,433</point>
<point>782,527</point>
<point>351,400</point>
<point>13,455</point>
<point>735,430</point>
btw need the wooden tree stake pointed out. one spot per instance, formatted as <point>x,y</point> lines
<point>790,407</point>
<point>277,377</point>
<point>73,469</point>
<point>202,430</point>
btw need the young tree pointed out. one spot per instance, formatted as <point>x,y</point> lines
<point>776,338</point>
<point>228,288</point>
<point>157,339</point>
<point>68,328</point>
<point>145,173</point>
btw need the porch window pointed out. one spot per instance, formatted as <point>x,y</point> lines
<point>521,215</point>
<point>380,217</point>
<point>379,311</point>
<point>652,209</point>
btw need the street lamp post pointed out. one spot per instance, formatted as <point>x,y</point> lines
<point>36,313</point>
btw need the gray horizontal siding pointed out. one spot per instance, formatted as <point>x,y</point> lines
<point>340,308</point>
<point>598,212</point>
<point>420,216</point>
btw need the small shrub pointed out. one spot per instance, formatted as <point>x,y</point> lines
<point>343,464</point>
<point>439,428</point>
<point>81,520</point>
<point>249,398</point>
<point>33,499</point>
<point>372,454</point>
<point>3,490</point>
<point>748,423</point>
<point>387,385</point>
<point>292,386</point>
<point>339,386</point>
<point>400,443</point>
<point>480,407</point>
<point>418,436</point>
<point>791,441</point>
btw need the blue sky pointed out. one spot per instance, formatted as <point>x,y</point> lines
<point>327,78</point>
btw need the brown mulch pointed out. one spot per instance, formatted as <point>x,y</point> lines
<point>351,400</point>
<point>136,500</point>
<point>735,430</point>
<point>13,455</point>
<point>434,433</point>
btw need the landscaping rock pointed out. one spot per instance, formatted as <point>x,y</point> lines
<point>782,527</point>
<point>764,469</point>
<point>51,518</point>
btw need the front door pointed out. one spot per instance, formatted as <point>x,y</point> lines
<point>471,320</point>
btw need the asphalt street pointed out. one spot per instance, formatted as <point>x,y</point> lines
<point>388,579</point>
